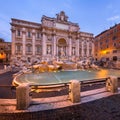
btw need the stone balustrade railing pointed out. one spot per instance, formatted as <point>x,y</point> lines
<point>24,97</point>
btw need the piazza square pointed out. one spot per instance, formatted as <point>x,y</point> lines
<point>60,60</point>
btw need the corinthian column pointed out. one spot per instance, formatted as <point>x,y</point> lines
<point>24,41</point>
<point>13,41</point>
<point>77,47</point>
<point>54,44</point>
<point>82,52</point>
<point>93,49</point>
<point>70,45</point>
<point>88,54</point>
<point>43,43</point>
<point>33,42</point>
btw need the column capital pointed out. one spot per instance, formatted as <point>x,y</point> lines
<point>69,36</point>
<point>23,30</point>
<point>43,31</point>
<point>77,36</point>
<point>33,32</point>
<point>54,33</point>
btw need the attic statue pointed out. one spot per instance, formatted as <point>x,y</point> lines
<point>62,16</point>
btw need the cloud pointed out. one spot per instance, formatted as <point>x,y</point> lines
<point>113,18</point>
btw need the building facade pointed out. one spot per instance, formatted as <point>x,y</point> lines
<point>5,51</point>
<point>107,44</point>
<point>55,38</point>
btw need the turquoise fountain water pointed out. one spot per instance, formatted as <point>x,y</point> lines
<point>48,78</point>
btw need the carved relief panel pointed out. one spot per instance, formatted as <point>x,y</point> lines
<point>48,23</point>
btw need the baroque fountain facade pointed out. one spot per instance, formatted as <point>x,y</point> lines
<point>54,39</point>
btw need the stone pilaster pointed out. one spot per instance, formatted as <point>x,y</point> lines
<point>54,44</point>
<point>13,41</point>
<point>92,49</point>
<point>70,45</point>
<point>77,47</point>
<point>33,42</point>
<point>24,41</point>
<point>44,43</point>
<point>57,50</point>
<point>88,54</point>
<point>82,52</point>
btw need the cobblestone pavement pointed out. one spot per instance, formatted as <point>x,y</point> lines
<point>5,82</point>
<point>103,109</point>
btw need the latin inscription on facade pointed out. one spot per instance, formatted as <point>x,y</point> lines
<point>62,26</point>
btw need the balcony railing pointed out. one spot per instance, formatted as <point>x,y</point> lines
<point>18,52</point>
<point>29,52</point>
<point>38,53</point>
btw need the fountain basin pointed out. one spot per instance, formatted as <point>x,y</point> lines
<point>50,78</point>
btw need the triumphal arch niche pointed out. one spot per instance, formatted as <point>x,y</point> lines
<point>55,38</point>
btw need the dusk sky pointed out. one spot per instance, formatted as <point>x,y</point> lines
<point>93,16</point>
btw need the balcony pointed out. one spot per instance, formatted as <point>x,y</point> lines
<point>28,52</point>
<point>18,52</point>
<point>19,37</point>
<point>38,53</point>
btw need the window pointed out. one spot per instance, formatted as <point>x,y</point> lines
<point>18,48</point>
<point>107,34</point>
<point>114,44</point>
<point>18,33</point>
<point>100,43</point>
<point>38,49</point>
<point>114,38</point>
<point>29,48</point>
<point>115,58</point>
<point>115,30</point>
<point>38,35</point>
<point>90,51</point>
<point>114,51</point>
<point>29,34</point>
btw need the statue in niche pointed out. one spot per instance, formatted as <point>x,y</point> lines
<point>48,50</point>
<point>62,53</point>
<point>73,51</point>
